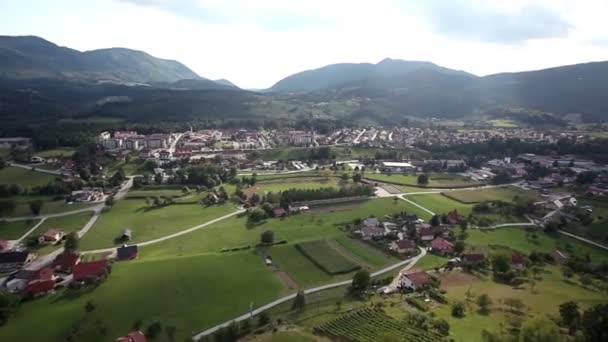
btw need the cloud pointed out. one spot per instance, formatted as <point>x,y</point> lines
<point>470,20</point>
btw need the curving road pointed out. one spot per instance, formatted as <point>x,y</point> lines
<point>408,262</point>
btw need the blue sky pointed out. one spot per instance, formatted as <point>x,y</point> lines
<point>256,43</point>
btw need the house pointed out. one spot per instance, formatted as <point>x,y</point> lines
<point>91,270</point>
<point>372,232</point>
<point>398,167</point>
<point>38,288</point>
<point>517,262</point>
<point>389,225</point>
<point>426,234</point>
<point>126,234</point>
<point>5,245</point>
<point>11,261</point>
<point>442,246</point>
<point>415,281</point>
<point>559,257</point>
<point>134,336</point>
<point>403,246</point>
<point>412,218</point>
<point>127,252</point>
<point>279,212</point>
<point>66,261</point>
<point>453,217</point>
<point>371,221</point>
<point>473,259</point>
<point>51,237</point>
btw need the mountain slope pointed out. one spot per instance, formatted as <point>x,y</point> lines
<point>30,57</point>
<point>337,74</point>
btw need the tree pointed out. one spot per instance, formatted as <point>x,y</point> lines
<point>257,215</point>
<point>435,221</point>
<point>7,207</point>
<point>458,310</point>
<point>594,323</point>
<point>360,283</point>
<point>484,301</point>
<point>110,201</point>
<point>263,318</point>
<point>267,237</point>
<point>344,177</point>
<point>356,177</point>
<point>71,242</point>
<point>500,263</point>
<point>89,306</point>
<point>299,302</point>
<point>586,279</point>
<point>459,246</point>
<point>36,207</point>
<point>423,179</point>
<point>567,272</point>
<point>154,330</point>
<point>539,329</point>
<point>442,326</point>
<point>570,315</point>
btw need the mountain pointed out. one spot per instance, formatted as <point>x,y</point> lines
<point>225,82</point>
<point>30,57</point>
<point>336,74</point>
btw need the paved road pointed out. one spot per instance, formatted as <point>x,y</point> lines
<point>171,236</point>
<point>408,263</point>
<point>29,231</point>
<point>584,240</point>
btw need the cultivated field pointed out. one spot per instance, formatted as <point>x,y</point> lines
<point>287,184</point>
<point>306,274</point>
<point>492,194</point>
<point>23,177</point>
<point>326,257</point>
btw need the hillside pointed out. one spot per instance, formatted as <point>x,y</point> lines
<point>30,57</point>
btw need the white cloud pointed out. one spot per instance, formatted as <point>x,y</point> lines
<point>256,43</point>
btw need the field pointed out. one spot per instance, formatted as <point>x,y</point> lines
<point>287,184</point>
<point>430,261</point>
<point>319,223</point>
<point>50,206</point>
<point>440,204</point>
<point>297,266</point>
<point>188,293</point>
<point>595,231</point>
<point>147,222</point>
<point>59,152</point>
<point>295,153</point>
<point>435,180</point>
<point>68,224</point>
<point>14,230</point>
<point>492,194</point>
<point>23,177</point>
<point>327,258</point>
<point>369,255</point>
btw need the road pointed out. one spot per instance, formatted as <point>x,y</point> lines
<point>584,240</point>
<point>15,242</point>
<point>409,263</point>
<point>171,236</point>
<point>47,216</point>
<point>29,167</point>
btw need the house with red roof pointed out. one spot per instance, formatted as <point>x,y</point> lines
<point>134,336</point>
<point>66,261</point>
<point>517,262</point>
<point>91,270</point>
<point>5,245</point>
<point>453,217</point>
<point>415,281</point>
<point>403,246</point>
<point>38,288</point>
<point>51,237</point>
<point>442,246</point>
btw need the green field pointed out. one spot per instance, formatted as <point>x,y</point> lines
<point>327,258</point>
<point>148,223</point>
<point>296,153</point>
<point>23,177</point>
<point>68,224</point>
<point>369,255</point>
<point>59,152</point>
<point>430,261</point>
<point>50,206</point>
<point>287,184</point>
<point>435,180</point>
<point>595,231</point>
<point>492,194</point>
<point>298,267</point>
<point>14,230</point>
<point>189,293</point>
<point>318,223</point>
<point>440,204</point>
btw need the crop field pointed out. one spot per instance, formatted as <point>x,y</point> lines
<point>311,225</point>
<point>147,222</point>
<point>190,293</point>
<point>493,194</point>
<point>435,180</point>
<point>14,230</point>
<point>369,325</point>
<point>326,257</point>
<point>300,268</point>
<point>368,254</point>
<point>23,177</point>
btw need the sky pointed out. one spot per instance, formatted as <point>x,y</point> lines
<point>255,43</point>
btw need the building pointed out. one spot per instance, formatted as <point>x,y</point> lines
<point>473,259</point>
<point>403,246</point>
<point>134,336</point>
<point>124,134</point>
<point>295,138</point>
<point>126,234</point>
<point>453,217</point>
<point>51,237</point>
<point>11,261</point>
<point>66,261</point>
<point>38,288</point>
<point>5,245</point>
<point>442,246</point>
<point>92,270</point>
<point>398,167</point>
<point>112,144</point>
<point>279,212</point>
<point>127,252</point>
<point>415,281</point>
<point>372,232</point>
<point>15,142</point>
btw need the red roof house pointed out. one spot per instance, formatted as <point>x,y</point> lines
<point>442,246</point>
<point>453,217</point>
<point>134,336</point>
<point>4,245</point>
<point>416,280</point>
<point>90,270</point>
<point>37,288</point>
<point>403,246</point>
<point>51,236</point>
<point>65,262</point>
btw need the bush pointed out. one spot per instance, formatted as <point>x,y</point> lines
<point>417,303</point>
<point>458,310</point>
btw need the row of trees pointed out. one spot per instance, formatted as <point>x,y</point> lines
<point>299,195</point>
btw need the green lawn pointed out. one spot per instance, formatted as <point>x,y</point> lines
<point>322,254</point>
<point>148,223</point>
<point>440,204</point>
<point>23,177</point>
<point>430,261</point>
<point>438,180</point>
<point>59,152</point>
<point>68,224</point>
<point>493,194</point>
<point>14,230</point>
<point>368,254</point>
<point>50,206</point>
<point>300,269</point>
<point>318,223</point>
<point>287,184</point>
<point>190,293</point>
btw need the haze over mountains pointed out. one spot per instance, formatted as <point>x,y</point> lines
<point>59,82</point>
